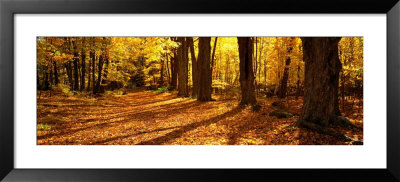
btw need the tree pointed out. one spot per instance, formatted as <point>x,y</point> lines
<point>283,85</point>
<point>83,58</point>
<point>195,71</point>
<point>246,70</point>
<point>322,67</point>
<point>76,62</point>
<point>183,68</point>
<point>174,66</point>
<point>205,73</point>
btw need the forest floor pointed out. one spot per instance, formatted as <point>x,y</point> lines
<point>147,118</point>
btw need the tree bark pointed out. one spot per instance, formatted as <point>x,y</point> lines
<point>205,82</point>
<point>168,72</point>
<point>107,63</point>
<point>246,70</point>
<point>195,71</point>
<point>322,68</point>
<point>100,67</point>
<point>83,59</point>
<point>283,85</point>
<point>93,57</point>
<point>213,53</point>
<point>161,81</point>
<point>174,70</point>
<point>68,66</point>
<point>183,68</point>
<point>76,60</point>
<point>56,80</point>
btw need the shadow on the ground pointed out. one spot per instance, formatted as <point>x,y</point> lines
<point>179,132</point>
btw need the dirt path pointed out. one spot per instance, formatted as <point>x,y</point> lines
<point>148,118</point>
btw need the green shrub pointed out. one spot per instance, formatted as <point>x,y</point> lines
<point>161,90</point>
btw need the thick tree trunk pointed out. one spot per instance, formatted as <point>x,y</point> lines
<point>195,71</point>
<point>183,68</point>
<point>205,73</point>
<point>322,67</point>
<point>246,70</point>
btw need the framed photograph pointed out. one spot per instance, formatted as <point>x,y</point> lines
<point>178,91</point>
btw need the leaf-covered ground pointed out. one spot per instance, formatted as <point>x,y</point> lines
<point>147,118</point>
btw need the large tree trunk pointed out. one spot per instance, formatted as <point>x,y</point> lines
<point>183,68</point>
<point>195,71</point>
<point>246,70</point>
<point>322,68</point>
<point>205,73</point>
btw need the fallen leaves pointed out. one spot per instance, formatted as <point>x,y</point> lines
<point>164,119</point>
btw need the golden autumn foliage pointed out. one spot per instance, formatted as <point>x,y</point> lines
<point>119,91</point>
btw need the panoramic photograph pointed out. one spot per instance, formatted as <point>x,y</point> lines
<point>199,90</point>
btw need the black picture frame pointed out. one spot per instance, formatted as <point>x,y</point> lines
<point>9,8</point>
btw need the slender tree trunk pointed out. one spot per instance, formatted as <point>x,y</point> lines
<point>322,67</point>
<point>195,71</point>
<point>246,70</point>
<point>168,72</point>
<point>76,61</point>
<point>283,85</point>
<point>56,80</point>
<point>205,82</point>
<point>298,82</point>
<point>93,57</point>
<point>100,68</point>
<point>213,54</point>
<point>89,71</point>
<point>183,68</point>
<point>174,70</point>
<point>161,81</point>
<point>38,85</point>
<point>83,59</point>
<point>106,66</point>
<point>68,66</point>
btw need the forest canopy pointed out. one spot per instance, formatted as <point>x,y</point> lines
<point>251,70</point>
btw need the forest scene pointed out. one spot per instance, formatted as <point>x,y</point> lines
<point>199,90</point>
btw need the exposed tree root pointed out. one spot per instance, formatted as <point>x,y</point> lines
<point>330,132</point>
